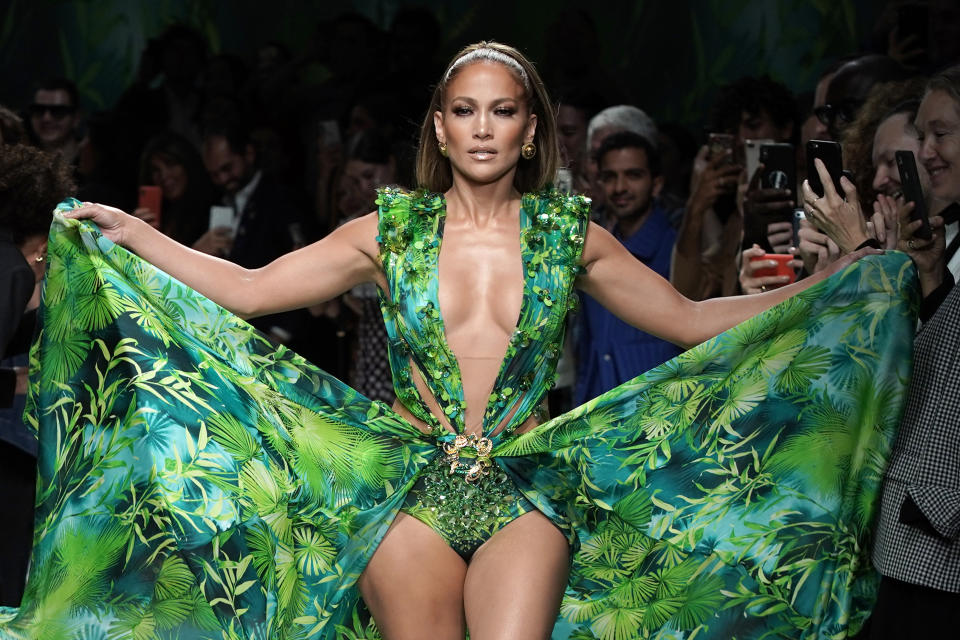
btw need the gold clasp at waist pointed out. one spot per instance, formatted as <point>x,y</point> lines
<point>480,456</point>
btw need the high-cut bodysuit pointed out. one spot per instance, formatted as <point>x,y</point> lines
<point>197,481</point>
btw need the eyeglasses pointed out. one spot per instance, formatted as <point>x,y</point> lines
<point>844,112</point>
<point>58,111</point>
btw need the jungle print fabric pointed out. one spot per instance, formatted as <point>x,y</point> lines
<point>196,481</point>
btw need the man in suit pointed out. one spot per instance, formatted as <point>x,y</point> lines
<point>265,222</point>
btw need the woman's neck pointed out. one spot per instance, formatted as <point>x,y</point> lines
<point>481,203</point>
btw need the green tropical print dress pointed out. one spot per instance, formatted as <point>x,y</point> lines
<point>197,481</point>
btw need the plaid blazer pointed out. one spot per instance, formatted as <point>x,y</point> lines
<point>918,537</point>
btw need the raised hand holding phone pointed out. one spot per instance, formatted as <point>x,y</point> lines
<point>839,218</point>
<point>149,205</point>
<point>913,192</point>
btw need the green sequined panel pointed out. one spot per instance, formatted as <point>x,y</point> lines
<point>465,515</point>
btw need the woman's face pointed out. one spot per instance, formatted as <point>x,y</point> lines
<point>484,122</point>
<point>169,175</point>
<point>938,123</point>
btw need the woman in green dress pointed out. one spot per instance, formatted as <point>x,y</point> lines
<point>461,508</point>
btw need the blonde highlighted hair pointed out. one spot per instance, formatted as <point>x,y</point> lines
<point>433,169</point>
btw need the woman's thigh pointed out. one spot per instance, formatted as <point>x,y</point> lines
<point>413,584</point>
<point>516,580</point>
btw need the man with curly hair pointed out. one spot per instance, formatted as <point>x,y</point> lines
<point>31,184</point>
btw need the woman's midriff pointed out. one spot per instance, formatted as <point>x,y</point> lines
<point>477,374</point>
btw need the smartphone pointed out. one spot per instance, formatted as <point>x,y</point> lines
<point>221,216</point>
<point>798,215</point>
<point>779,166</point>
<point>151,197</point>
<point>719,144</point>
<point>832,157</point>
<point>783,267</point>
<point>751,152</point>
<point>913,192</point>
<point>330,133</point>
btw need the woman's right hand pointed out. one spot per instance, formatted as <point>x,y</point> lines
<point>112,221</point>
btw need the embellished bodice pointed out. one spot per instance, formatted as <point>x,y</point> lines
<point>411,224</point>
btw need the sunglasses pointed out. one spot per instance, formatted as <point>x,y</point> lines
<point>844,112</point>
<point>58,111</point>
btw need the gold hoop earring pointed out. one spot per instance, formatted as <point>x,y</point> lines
<point>443,149</point>
<point>528,151</point>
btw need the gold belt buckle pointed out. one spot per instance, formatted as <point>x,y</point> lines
<point>472,472</point>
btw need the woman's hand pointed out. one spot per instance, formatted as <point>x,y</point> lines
<point>712,178</point>
<point>840,219</point>
<point>884,224</point>
<point>927,255</point>
<point>780,236</point>
<point>817,249</point>
<point>113,222</point>
<point>750,283</point>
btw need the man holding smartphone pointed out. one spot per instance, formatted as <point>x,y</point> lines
<point>259,220</point>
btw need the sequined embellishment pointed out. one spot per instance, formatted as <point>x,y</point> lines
<point>465,515</point>
<point>472,469</point>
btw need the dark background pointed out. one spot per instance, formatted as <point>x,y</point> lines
<point>668,57</point>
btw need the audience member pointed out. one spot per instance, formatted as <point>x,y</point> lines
<point>917,543</point>
<point>31,184</point>
<point>849,87</point>
<point>611,351</point>
<point>370,165</point>
<point>575,109</point>
<point>170,162</point>
<point>622,117</point>
<point>760,109</point>
<point>55,118</point>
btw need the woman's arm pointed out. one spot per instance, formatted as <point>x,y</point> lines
<point>640,297</point>
<point>318,272</point>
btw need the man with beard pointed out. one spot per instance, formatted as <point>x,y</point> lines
<point>611,351</point>
<point>266,222</point>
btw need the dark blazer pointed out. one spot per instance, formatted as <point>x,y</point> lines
<point>270,224</point>
<point>918,537</point>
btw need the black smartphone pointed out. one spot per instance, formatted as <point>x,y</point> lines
<point>913,192</point>
<point>779,166</point>
<point>832,157</point>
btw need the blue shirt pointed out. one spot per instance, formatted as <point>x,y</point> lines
<point>609,350</point>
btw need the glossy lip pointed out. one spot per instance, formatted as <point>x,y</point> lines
<point>482,153</point>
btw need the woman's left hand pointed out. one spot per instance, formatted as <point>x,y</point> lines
<point>840,219</point>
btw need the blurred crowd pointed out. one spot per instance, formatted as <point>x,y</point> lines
<point>253,154</point>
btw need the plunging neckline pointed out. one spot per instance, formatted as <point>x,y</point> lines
<point>459,393</point>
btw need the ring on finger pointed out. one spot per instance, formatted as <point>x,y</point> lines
<point>763,288</point>
<point>911,244</point>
